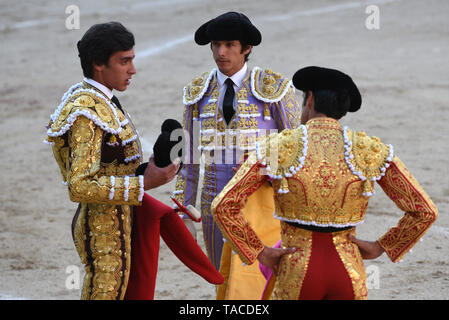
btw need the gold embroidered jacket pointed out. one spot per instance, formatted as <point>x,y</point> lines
<point>323,175</point>
<point>97,149</point>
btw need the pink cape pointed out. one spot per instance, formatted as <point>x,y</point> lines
<point>266,271</point>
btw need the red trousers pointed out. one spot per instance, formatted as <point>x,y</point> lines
<point>325,266</point>
<point>326,277</point>
<point>153,220</point>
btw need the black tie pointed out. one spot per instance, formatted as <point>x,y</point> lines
<point>228,101</point>
<point>117,103</point>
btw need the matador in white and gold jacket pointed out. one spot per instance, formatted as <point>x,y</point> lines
<point>97,149</point>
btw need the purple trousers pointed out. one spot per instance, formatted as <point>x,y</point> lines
<point>216,176</point>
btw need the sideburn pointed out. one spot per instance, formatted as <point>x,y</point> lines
<point>244,48</point>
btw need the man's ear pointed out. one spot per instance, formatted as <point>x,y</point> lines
<point>248,50</point>
<point>309,102</point>
<point>97,68</point>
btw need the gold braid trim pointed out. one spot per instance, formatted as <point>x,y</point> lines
<point>367,157</point>
<point>420,211</point>
<point>85,182</point>
<point>268,86</point>
<point>284,154</point>
<point>196,88</point>
<point>103,238</point>
<point>226,210</point>
<point>90,104</point>
<point>352,259</point>
<point>292,267</point>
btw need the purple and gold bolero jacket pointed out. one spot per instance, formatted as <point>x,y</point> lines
<point>266,103</point>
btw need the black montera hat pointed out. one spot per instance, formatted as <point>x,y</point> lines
<point>164,143</point>
<point>317,78</point>
<point>163,146</point>
<point>229,26</point>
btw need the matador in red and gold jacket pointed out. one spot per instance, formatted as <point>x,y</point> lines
<point>323,176</point>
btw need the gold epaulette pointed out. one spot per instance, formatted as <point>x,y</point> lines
<point>88,103</point>
<point>283,154</point>
<point>367,157</point>
<point>268,86</point>
<point>195,90</point>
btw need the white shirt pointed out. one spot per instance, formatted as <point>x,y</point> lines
<point>237,78</point>
<point>100,87</point>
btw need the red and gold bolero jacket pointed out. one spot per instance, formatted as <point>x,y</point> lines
<point>324,175</point>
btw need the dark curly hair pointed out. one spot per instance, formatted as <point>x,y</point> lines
<point>100,42</point>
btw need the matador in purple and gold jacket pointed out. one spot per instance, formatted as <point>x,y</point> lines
<point>264,101</point>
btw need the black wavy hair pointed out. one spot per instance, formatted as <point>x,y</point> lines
<point>100,42</point>
<point>334,104</point>
<point>244,47</point>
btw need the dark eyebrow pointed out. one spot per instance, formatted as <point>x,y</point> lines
<point>127,58</point>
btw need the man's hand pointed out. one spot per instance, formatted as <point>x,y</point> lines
<point>155,176</point>
<point>368,249</point>
<point>270,257</point>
